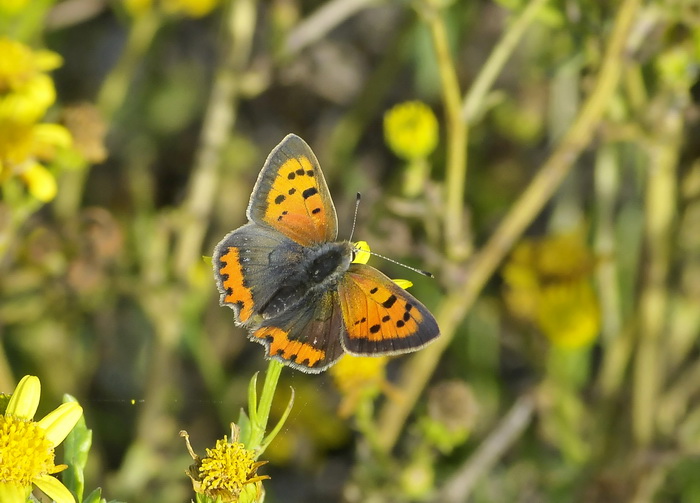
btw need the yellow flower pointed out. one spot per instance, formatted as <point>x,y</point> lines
<point>568,313</point>
<point>23,145</point>
<point>359,378</point>
<point>27,447</point>
<point>40,182</point>
<point>549,283</point>
<point>12,6</point>
<point>411,130</point>
<point>26,92</point>
<point>228,471</point>
<point>362,253</point>
<point>190,8</point>
<point>137,8</point>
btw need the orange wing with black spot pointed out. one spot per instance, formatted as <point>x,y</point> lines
<point>307,338</point>
<point>380,317</point>
<point>291,195</point>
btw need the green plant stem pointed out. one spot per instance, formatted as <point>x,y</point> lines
<point>262,414</point>
<point>326,17</point>
<point>219,118</point>
<point>476,96</point>
<point>461,483</point>
<point>607,186</point>
<point>457,242</point>
<point>619,345</point>
<point>116,84</point>
<point>459,301</point>
<point>660,212</point>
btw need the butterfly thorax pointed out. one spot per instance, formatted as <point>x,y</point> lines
<point>326,263</point>
<point>310,271</point>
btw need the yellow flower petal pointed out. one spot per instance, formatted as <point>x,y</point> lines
<point>11,493</point>
<point>361,253</point>
<point>137,8</point>
<point>49,137</point>
<point>61,421</point>
<point>191,8</point>
<point>46,60</point>
<point>30,102</point>
<point>40,182</point>
<point>54,489</point>
<point>403,283</point>
<point>12,7</point>
<point>25,398</point>
<point>568,314</point>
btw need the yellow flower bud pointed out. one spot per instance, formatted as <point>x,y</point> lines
<point>411,130</point>
<point>40,182</point>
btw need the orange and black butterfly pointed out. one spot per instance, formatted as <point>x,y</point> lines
<point>296,289</point>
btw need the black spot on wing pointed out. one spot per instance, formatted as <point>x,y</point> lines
<point>390,301</point>
<point>309,192</point>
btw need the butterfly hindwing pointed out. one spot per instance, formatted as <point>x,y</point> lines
<point>307,338</point>
<point>291,195</point>
<point>380,317</point>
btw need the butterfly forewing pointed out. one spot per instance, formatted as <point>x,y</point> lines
<point>291,195</point>
<point>380,317</point>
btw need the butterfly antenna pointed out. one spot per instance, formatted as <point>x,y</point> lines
<point>414,269</point>
<point>354,218</point>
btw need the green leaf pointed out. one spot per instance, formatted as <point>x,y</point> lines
<point>76,447</point>
<point>253,398</point>
<point>94,497</point>
<point>271,436</point>
<point>244,428</point>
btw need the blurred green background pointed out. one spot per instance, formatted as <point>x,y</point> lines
<point>540,158</point>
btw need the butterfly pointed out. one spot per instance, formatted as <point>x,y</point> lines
<point>296,288</point>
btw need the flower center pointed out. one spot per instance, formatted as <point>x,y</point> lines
<point>25,452</point>
<point>227,467</point>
